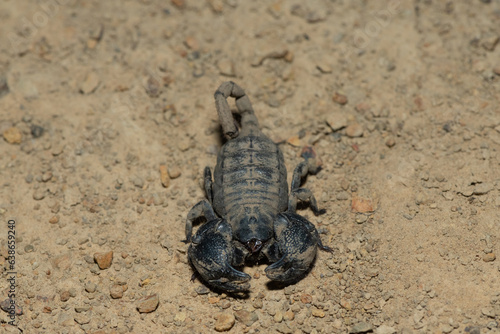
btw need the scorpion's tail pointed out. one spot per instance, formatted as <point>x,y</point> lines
<point>249,122</point>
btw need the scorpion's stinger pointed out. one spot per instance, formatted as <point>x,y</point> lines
<point>297,242</point>
<point>211,253</point>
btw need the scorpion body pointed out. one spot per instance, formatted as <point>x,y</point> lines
<point>246,175</point>
<point>249,212</point>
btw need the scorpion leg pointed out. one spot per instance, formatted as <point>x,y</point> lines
<point>212,253</point>
<point>304,194</point>
<point>207,176</point>
<point>297,240</point>
<point>201,209</point>
<point>308,166</point>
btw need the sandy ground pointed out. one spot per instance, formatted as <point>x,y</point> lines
<point>399,98</point>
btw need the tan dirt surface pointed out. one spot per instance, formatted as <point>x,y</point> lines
<point>107,120</point>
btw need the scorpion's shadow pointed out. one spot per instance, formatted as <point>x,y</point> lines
<point>242,295</point>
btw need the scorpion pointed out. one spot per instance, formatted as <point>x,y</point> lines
<point>250,216</point>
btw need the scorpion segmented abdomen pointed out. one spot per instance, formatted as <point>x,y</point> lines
<point>250,178</point>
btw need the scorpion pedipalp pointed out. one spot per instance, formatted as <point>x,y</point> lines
<point>212,254</point>
<point>297,240</point>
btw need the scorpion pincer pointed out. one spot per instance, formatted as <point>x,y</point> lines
<point>249,213</point>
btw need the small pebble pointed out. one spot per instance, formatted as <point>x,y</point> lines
<point>473,330</point>
<point>83,240</point>
<point>95,35</point>
<point>489,312</point>
<point>138,182</point>
<point>103,260</point>
<point>345,304</point>
<point>63,261</point>
<point>342,196</point>
<point>65,296</point>
<point>483,188</point>
<point>489,43</point>
<point>384,329</point>
<point>116,291</point>
<point>46,176</point>
<point>213,300</point>
<point>323,65</point>
<point>54,220</point>
<point>336,121</point>
<point>13,135</point>
<point>192,43</point>
<point>184,144</point>
<point>39,194</point>
<point>257,303</point>
<point>224,322</point>
<point>361,327</point>
<point>273,52</point>
<point>446,328</point>
<point>216,5</point>
<point>318,313</point>
<point>306,298</point>
<point>36,131</point>
<point>90,83</point>
<point>82,319</point>
<point>152,87</point>
<point>181,317</point>
<point>246,317</point>
<point>339,98</point>
<point>5,305</point>
<point>354,130</point>
<point>174,172</point>
<point>58,149</point>
<point>363,107</point>
<point>225,304</point>
<point>148,304</point>
<point>164,178</point>
<point>362,205</point>
<point>490,257</point>
<point>390,142</point>
<point>278,317</point>
<point>202,290</point>
<point>80,309</point>
<point>294,141</point>
<point>360,218</point>
<point>90,287</point>
<point>226,67</point>
<point>178,3</point>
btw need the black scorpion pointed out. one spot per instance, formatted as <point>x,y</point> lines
<point>249,213</point>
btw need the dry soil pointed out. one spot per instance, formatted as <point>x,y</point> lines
<point>399,98</point>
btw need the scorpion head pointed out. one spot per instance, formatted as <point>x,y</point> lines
<point>253,232</point>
